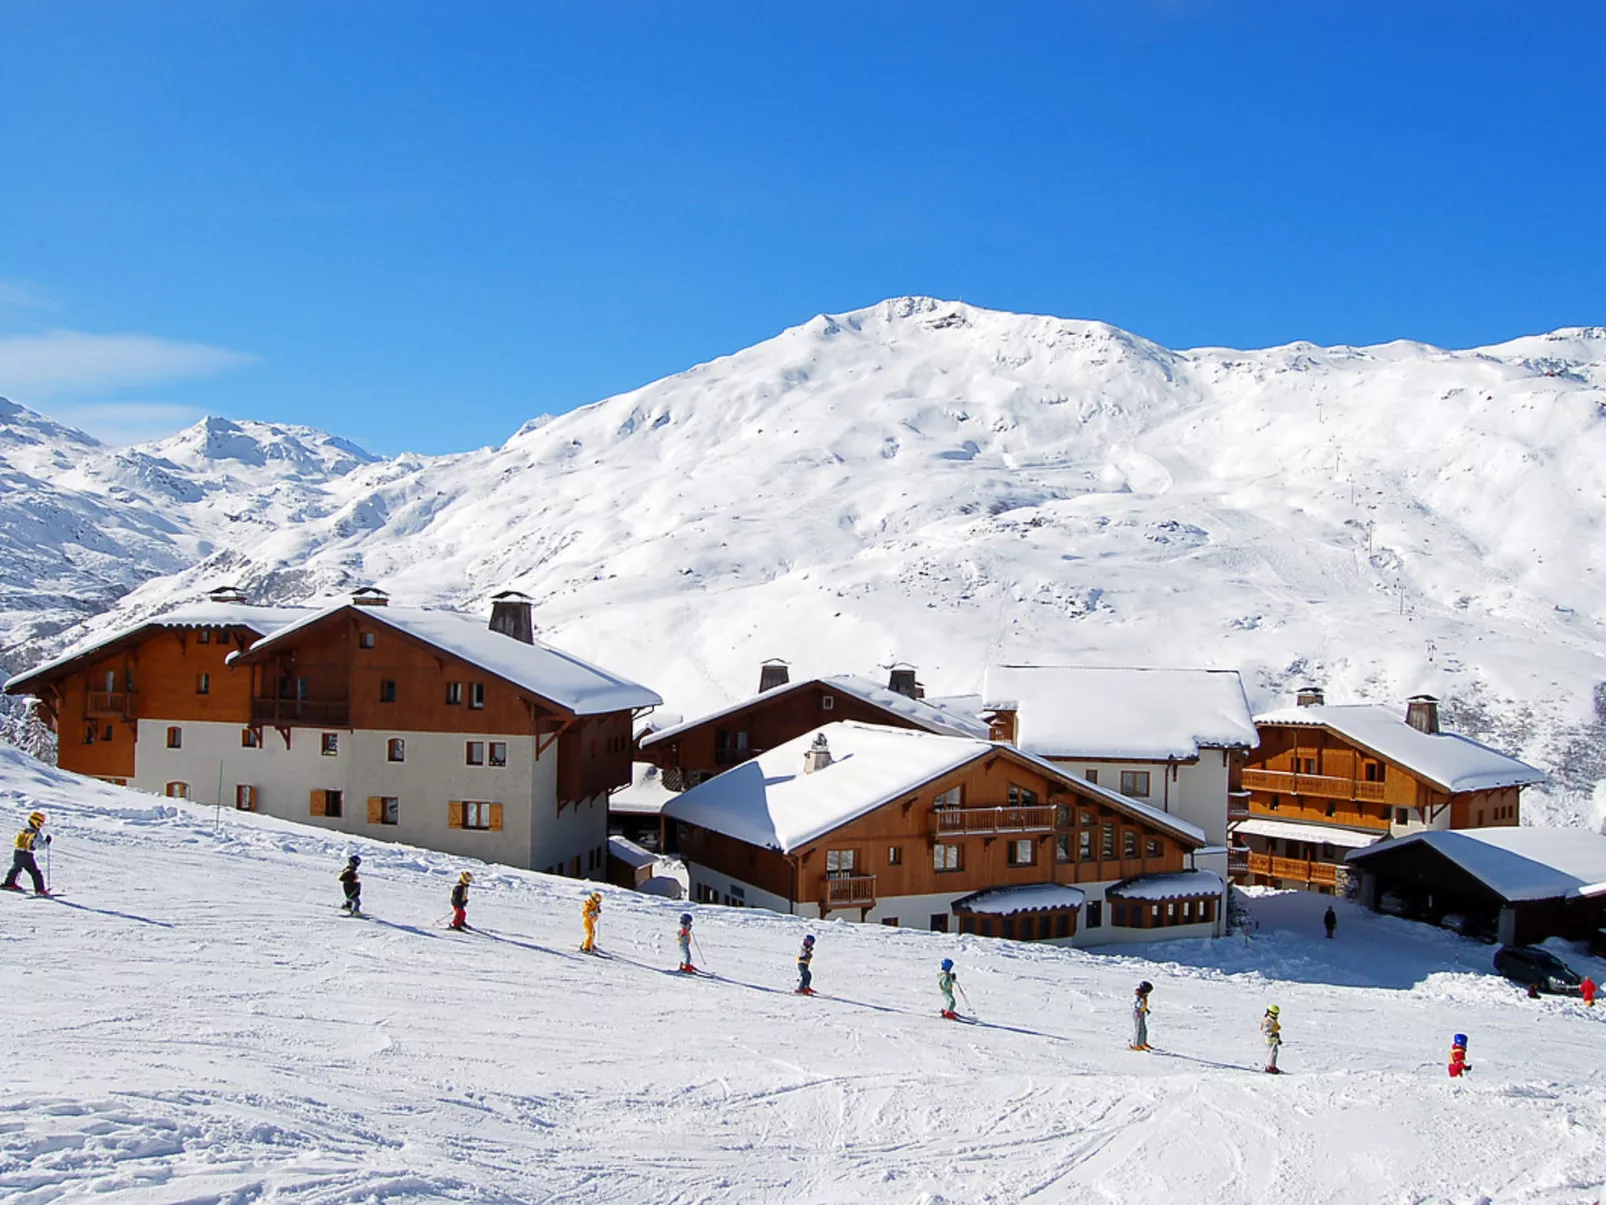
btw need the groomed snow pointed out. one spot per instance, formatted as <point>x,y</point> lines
<point>1518,863</point>
<point>195,1022</point>
<point>1028,897</point>
<point>1446,759</point>
<point>1175,886</point>
<point>554,675</point>
<point>1290,830</point>
<point>1127,713</point>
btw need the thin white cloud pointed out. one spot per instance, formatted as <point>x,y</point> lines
<point>18,295</point>
<point>122,423</point>
<point>67,362</point>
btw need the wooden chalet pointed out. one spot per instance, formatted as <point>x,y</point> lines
<point>1326,780</point>
<point>912,828</point>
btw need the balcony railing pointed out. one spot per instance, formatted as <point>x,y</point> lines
<point>848,891</point>
<point>1300,870</point>
<point>309,713</point>
<point>1238,861</point>
<point>960,822</point>
<point>1322,786</point>
<point>106,702</point>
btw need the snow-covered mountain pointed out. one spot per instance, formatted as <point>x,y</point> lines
<point>931,482</point>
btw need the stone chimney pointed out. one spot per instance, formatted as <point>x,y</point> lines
<point>1422,713</point>
<point>819,755</point>
<point>226,594</point>
<point>510,615</point>
<point>773,673</point>
<point>369,596</point>
<point>1309,696</point>
<point>902,682</point>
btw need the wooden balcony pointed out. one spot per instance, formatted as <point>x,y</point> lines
<point>1321,786</point>
<point>1237,805</point>
<point>847,891</point>
<point>1299,870</point>
<point>103,703</point>
<point>302,713</point>
<point>1238,861</point>
<point>979,822</point>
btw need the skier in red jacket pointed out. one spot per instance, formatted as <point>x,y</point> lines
<point>1458,1056</point>
<point>1586,989</point>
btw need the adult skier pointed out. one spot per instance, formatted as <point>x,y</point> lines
<point>1272,1030</point>
<point>1330,922</point>
<point>805,977</point>
<point>352,886</point>
<point>589,913</point>
<point>1140,1016</point>
<point>684,938</point>
<point>22,855</point>
<point>460,901</point>
<point>947,982</point>
<point>1458,1056</point>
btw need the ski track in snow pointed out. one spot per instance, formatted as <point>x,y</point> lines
<point>195,1022</point>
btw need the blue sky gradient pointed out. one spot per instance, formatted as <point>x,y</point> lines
<point>420,224</point>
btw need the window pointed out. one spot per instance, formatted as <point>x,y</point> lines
<point>946,857</point>
<point>1374,771</point>
<point>1095,914</point>
<point>939,922</point>
<point>1022,853</point>
<point>895,855</point>
<point>330,746</point>
<point>203,684</point>
<point>1092,776</point>
<point>1135,784</point>
<point>365,640</point>
<point>476,695</point>
<point>387,690</point>
<point>454,694</point>
<point>90,733</point>
<point>890,921</point>
<point>178,790</point>
<point>953,797</point>
<point>1062,847</point>
<point>1480,816</point>
<point>384,809</point>
<point>1085,818</point>
<point>499,753</point>
<point>1129,843</point>
<point>1307,765</point>
<point>827,702</point>
<point>204,636</point>
<point>328,803</point>
<point>839,863</point>
<point>1402,816</point>
<point>396,749</point>
<point>175,738</point>
<point>1171,913</point>
<point>474,753</point>
<point>1187,912</point>
<point>249,739</point>
<point>1118,914</point>
<point>1153,849</point>
<point>1332,808</point>
<point>245,798</point>
<point>485,817</point>
<point>1021,797</point>
<point>1062,816</point>
<point>1107,840</point>
<point>106,733</point>
<point>1275,802</point>
<point>1084,845</point>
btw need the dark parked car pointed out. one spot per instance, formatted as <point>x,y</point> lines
<point>1531,965</point>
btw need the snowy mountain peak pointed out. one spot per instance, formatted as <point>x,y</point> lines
<point>257,445</point>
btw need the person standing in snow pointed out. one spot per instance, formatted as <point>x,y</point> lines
<point>805,977</point>
<point>1140,1016</point>
<point>460,901</point>
<point>1458,1056</point>
<point>22,855</point>
<point>684,939</point>
<point>352,886</point>
<point>1586,989</point>
<point>947,984</point>
<point>1330,922</point>
<point>589,913</point>
<point>1272,1030</point>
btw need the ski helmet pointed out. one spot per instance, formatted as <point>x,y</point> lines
<point>685,918</point>
<point>1460,1040</point>
<point>809,940</point>
<point>354,860</point>
<point>37,819</point>
<point>1145,988</point>
<point>465,877</point>
<point>1272,1010</point>
<point>947,964</point>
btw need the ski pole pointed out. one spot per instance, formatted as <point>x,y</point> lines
<point>47,865</point>
<point>698,946</point>
<point>965,998</point>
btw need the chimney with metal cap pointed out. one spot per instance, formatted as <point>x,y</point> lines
<point>510,615</point>
<point>1309,696</point>
<point>1422,713</point>
<point>818,756</point>
<point>902,681</point>
<point>772,673</point>
<point>369,596</point>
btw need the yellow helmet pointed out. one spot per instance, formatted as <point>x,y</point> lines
<point>465,877</point>
<point>37,819</point>
<point>596,895</point>
<point>1273,1009</point>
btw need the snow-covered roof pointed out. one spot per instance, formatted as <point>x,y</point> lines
<point>1122,713</point>
<point>769,801</point>
<point>646,794</point>
<point>1448,760</point>
<point>918,711</point>
<point>631,854</point>
<point>1028,897</point>
<point>1257,826</point>
<point>1519,863</point>
<point>1176,886</point>
<point>262,620</point>
<point>573,684</point>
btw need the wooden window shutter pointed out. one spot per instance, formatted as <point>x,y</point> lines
<point>376,809</point>
<point>454,815</point>
<point>496,817</point>
<point>317,803</point>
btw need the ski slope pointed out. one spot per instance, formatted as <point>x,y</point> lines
<point>195,1022</point>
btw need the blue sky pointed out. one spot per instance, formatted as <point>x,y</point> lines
<point>419,224</point>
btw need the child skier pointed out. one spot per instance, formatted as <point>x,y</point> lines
<point>684,938</point>
<point>589,913</point>
<point>1458,1056</point>
<point>1271,1028</point>
<point>460,901</point>
<point>22,855</point>
<point>1586,989</point>
<point>805,977</point>
<point>947,982</point>
<point>1330,921</point>
<point>1140,1016</point>
<point>352,887</point>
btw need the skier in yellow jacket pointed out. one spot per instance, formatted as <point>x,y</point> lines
<point>589,913</point>
<point>22,855</point>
